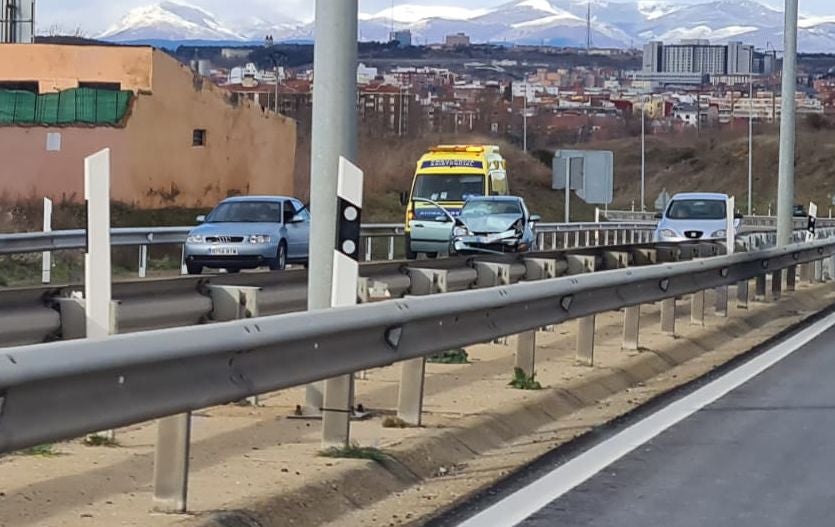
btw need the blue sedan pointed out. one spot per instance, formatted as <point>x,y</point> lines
<point>250,232</point>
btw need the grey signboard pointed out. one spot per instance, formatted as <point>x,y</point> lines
<point>592,174</point>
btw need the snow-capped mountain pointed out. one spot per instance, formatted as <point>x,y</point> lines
<point>170,20</point>
<point>614,23</point>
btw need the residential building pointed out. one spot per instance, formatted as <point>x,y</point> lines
<point>175,139</point>
<point>385,105</point>
<point>458,40</point>
<point>402,37</point>
<point>740,58</point>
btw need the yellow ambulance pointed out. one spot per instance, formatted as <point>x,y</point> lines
<point>447,176</point>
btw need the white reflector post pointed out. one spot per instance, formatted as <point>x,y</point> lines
<point>97,274</point>
<point>338,405</point>
<point>730,228</point>
<point>46,261</point>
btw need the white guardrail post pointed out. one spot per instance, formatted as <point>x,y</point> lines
<point>525,358</point>
<point>46,257</point>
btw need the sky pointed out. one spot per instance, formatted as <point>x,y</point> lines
<point>96,15</point>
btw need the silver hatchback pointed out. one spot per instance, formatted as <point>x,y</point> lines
<point>695,216</point>
<point>250,232</point>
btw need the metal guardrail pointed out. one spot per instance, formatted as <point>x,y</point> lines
<point>33,242</point>
<point>128,379</point>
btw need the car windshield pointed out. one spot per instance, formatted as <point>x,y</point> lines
<point>449,188</point>
<point>697,209</point>
<point>246,212</point>
<point>477,208</point>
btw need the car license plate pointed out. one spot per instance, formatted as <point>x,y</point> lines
<point>223,251</point>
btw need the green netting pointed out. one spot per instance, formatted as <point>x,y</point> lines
<point>80,105</point>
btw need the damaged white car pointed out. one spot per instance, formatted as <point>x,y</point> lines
<point>494,225</point>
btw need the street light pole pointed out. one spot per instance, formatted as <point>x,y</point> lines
<point>525,121</point>
<point>751,144</point>
<point>334,134</point>
<point>785,182</point>
<point>643,154</point>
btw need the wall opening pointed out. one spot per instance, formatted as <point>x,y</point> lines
<point>198,137</point>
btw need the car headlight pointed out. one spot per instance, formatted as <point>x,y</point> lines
<point>667,233</point>
<point>195,238</point>
<point>721,233</point>
<point>259,238</point>
<point>460,231</point>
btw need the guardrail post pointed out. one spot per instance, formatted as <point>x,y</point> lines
<point>235,303</point>
<point>46,256</point>
<point>791,278</point>
<point>585,340</point>
<point>721,301</point>
<point>697,308</point>
<point>578,264</point>
<point>776,284</point>
<point>818,271</point>
<point>759,291</point>
<point>171,463</point>
<point>143,261</point>
<point>742,294</point>
<point>631,327</point>
<point>805,272</point>
<point>413,371</point>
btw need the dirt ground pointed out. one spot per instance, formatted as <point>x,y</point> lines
<point>256,467</point>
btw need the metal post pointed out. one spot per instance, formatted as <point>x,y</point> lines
<point>791,278</point>
<point>631,327</point>
<point>722,301</point>
<point>391,248</point>
<point>46,258</point>
<point>785,184</point>
<point>742,295</point>
<point>171,463</point>
<point>413,371</point>
<point>525,120</point>
<point>334,134</point>
<point>751,146</point>
<point>567,191</point>
<point>585,340</point>
<point>368,249</point>
<point>776,284</point>
<point>668,316</point>
<point>818,275</point>
<point>759,291</point>
<point>526,353</point>
<point>97,268</point>
<point>643,153</point>
<point>143,261</point>
<point>697,308</point>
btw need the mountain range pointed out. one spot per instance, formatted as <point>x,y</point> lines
<point>618,24</point>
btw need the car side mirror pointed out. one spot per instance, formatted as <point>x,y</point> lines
<point>536,218</point>
<point>659,216</point>
<point>738,216</point>
<point>201,218</point>
<point>404,198</point>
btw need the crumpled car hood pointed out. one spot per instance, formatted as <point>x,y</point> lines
<point>492,223</point>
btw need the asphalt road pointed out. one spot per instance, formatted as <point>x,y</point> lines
<point>761,455</point>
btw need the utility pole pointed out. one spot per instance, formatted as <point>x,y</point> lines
<point>643,153</point>
<point>785,182</point>
<point>334,134</point>
<point>525,120</point>
<point>751,144</point>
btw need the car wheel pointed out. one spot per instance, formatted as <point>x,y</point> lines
<point>194,268</point>
<point>279,263</point>
<point>410,254</point>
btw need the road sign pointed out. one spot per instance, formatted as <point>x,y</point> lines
<point>591,174</point>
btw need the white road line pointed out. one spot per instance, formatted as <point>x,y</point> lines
<point>529,500</point>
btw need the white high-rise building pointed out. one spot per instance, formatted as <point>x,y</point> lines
<point>740,58</point>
